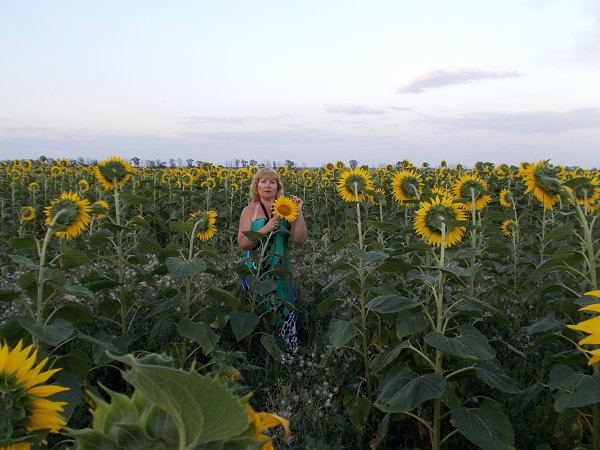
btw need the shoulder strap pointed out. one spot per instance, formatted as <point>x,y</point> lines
<point>267,215</point>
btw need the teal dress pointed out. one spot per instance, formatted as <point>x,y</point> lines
<point>277,255</point>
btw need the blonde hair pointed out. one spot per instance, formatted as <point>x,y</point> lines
<point>269,174</point>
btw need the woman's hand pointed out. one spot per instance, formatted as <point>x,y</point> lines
<point>298,201</point>
<point>271,224</point>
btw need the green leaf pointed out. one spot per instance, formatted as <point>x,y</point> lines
<point>575,389</point>
<point>409,323</point>
<point>224,296</point>
<point>341,332</point>
<point>92,439</point>
<point>328,304</point>
<point>140,222</point>
<point>242,323</point>
<point>406,390</point>
<point>202,408</point>
<point>495,377</point>
<point>54,333</point>
<point>71,257</point>
<point>177,226</point>
<point>134,198</point>
<point>271,346</point>
<point>80,292</point>
<point>261,287</point>
<point>561,233</point>
<point>391,303</point>
<point>181,268</point>
<point>200,333</point>
<point>26,242</point>
<point>24,262</point>
<point>486,426</point>
<point>8,295</point>
<point>146,245</point>
<point>77,362</point>
<point>100,238</point>
<point>371,257</point>
<point>470,344</point>
<point>74,313</point>
<point>543,325</point>
<point>358,409</point>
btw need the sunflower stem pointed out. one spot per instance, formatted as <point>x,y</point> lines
<point>439,355</point>
<point>363,296</point>
<point>39,313</point>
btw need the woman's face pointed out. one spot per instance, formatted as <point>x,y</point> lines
<point>267,188</point>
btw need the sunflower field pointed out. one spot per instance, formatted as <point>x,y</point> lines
<point>438,307</point>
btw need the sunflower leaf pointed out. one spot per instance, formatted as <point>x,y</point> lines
<point>486,426</point>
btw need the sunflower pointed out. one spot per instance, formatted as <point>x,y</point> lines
<point>27,213</point>
<point>353,183</point>
<point>187,179</point>
<point>544,181</point>
<point>113,170</point>
<point>33,187</point>
<point>591,327</point>
<point>282,170</point>
<point>262,421</point>
<point>27,164</point>
<point>471,187</point>
<point>285,208</point>
<point>329,167</point>
<point>74,214</point>
<point>210,183</point>
<point>587,191</point>
<point>429,217</point>
<point>340,165</point>
<point>506,198</point>
<point>206,224</point>
<point>84,186</point>
<point>100,208</point>
<point>24,396</point>
<point>509,228</point>
<point>234,187</point>
<point>407,185</point>
<point>55,171</point>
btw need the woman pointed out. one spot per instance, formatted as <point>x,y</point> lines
<point>266,186</point>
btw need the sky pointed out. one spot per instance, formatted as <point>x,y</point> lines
<point>310,81</point>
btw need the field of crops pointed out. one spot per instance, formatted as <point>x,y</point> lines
<point>438,307</point>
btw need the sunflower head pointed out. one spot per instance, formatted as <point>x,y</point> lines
<point>26,410</point>
<point>285,208</point>
<point>70,213</point>
<point>407,185</point>
<point>435,214</point>
<point>204,223</point>
<point>55,171</point>
<point>472,188</point>
<point>84,186</point>
<point>355,184</point>
<point>27,213</point>
<point>33,187</point>
<point>15,173</point>
<point>585,190</point>
<point>506,198</point>
<point>544,181</point>
<point>509,227</point>
<point>112,172</point>
<point>591,327</point>
<point>100,208</point>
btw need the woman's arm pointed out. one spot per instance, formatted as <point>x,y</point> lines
<point>298,227</point>
<point>246,225</point>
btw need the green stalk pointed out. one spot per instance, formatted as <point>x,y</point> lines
<point>439,355</point>
<point>39,313</point>
<point>120,259</point>
<point>363,297</point>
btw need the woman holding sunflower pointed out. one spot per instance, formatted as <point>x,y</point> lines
<point>279,219</point>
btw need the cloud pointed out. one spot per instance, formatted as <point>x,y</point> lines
<point>441,78</point>
<point>354,110</point>
<point>201,120</point>
<point>401,108</point>
<point>549,122</point>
